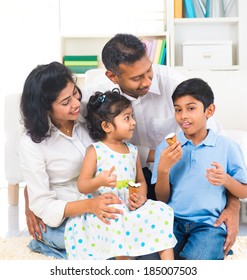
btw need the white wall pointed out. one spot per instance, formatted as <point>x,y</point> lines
<point>29,36</point>
<point>29,32</point>
<point>230,92</point>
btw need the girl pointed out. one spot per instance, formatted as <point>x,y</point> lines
<point>146,226</point>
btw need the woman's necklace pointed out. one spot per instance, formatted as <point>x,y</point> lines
<point>67,130</point>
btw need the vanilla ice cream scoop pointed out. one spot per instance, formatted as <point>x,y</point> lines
<point>171,138</point>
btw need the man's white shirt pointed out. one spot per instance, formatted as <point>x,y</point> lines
<point>154,112</point>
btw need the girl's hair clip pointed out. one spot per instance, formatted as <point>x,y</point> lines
<point>116,90</point>
<point>101,98</point>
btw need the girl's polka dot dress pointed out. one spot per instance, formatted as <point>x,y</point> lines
<point>146,230</point>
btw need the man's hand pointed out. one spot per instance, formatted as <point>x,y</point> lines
<point>230,216</point>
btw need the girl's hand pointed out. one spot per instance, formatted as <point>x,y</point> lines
<point>136,200</point>
<point>170,156</point>
<point>102,208</point>
<point>216,176</point>
<point>107,178</point>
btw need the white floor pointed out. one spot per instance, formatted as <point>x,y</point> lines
<point>13,221</point>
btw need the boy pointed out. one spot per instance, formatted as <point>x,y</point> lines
<point>193,175</point>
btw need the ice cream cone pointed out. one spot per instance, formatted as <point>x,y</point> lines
<point>134,188</point>
<point>171,138</point>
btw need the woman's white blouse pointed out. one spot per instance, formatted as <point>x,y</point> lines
<point>51,169</point>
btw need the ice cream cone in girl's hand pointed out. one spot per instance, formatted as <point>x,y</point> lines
<point>134,188</point>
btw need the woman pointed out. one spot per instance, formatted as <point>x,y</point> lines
<point>51,154</point>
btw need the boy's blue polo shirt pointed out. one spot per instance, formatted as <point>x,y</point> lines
<point>193,197</point>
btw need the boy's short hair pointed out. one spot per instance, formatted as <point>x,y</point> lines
<point>196,88</point>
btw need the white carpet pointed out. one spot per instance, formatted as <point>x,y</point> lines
<point>16,249</point>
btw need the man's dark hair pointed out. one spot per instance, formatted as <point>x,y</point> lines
<point>122,48</point>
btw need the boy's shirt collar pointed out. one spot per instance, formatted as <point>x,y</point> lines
<point>210,139</point>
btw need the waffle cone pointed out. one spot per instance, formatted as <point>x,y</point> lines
<point>171,138</point>
<point>133,189</point>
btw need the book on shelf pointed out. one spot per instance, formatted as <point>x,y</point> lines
<point>156,50</point>
<point>152,51</point>
<point>178,8</point>
<point>162,58</point>
<point>200,8</point>
<point>148,46</point>
<point>80,58</point>
<point>81,69</point>
<point>206,8</point>
<point>189,9</point>
<point>79,64</point>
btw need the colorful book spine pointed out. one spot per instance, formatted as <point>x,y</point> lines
<point>148,46</point>
<point>79,64</point>
<point>162,58</point>
<point>81,69</point>
<point>152,51</point>
<point>80,57</point>
<point>157,51</point>
<point>190,9</point>
<point>178,8</point>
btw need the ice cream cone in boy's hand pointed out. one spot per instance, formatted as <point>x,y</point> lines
<point>134,188</point>
<point>171,138</point>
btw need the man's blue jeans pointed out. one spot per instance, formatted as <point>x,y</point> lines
<point>198,241</point>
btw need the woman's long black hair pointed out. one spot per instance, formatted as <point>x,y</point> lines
<point>41,89</point>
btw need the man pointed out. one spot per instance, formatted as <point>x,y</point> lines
<point>150,88</point>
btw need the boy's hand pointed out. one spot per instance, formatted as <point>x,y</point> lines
<point>170,156</point>
<point>216,176</point>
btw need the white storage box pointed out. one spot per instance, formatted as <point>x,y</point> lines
<point>207,54</point>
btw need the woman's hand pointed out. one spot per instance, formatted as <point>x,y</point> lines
<point>33,222</point>
<point>136,200</point>
<point>102,208</point>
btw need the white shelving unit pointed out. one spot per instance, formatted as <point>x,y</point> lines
<point>93,44</point>
<point>202,29</point>
<point>84,30</point>
<point>76,38</point>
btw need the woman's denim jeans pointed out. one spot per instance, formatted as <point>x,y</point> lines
<point>52,244</point>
